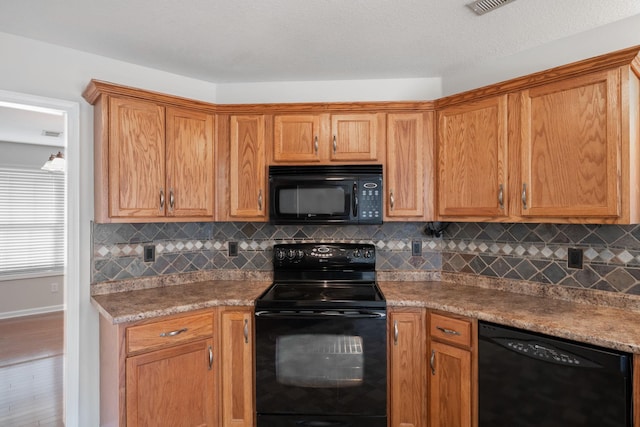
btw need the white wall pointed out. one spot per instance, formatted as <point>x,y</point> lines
<point>23,297</point>
<point>330,91</point>
<point>42,69</point>
<point>608,38</point>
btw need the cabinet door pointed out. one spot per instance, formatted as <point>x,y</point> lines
<point>247,171</point>
<point>409,161</point>
<point>190,165</point>
<point>356,137</point>
<point>472,159</point>
<point>136,159</point>
<point>171,387</point>
<point>296,138</point>
<point>407,384</point>
<point>450,386</point>
<point>236,370</point>
<point>570,132</point>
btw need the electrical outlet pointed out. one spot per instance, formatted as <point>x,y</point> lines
<point>416,248</point>
<point>233,248</point>
<point>149,253</point>
<point>574,258</point>
<point>54,287</point>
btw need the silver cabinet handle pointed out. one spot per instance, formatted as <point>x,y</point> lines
<point>172,199</point>
<point>335,145</point>
<point>210,358</point>
<point>395,332</point>
<point>161,199</point>
<point>173,333</point>
<point>260,199</point>
<point>447,331</point>
<point>392,200</point>
<point>246,331</point>
<point>432,362</point>
<point>501,197</point>
<point>524,196</point>
<point>315,144</point>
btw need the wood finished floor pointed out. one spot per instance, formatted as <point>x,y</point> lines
<point>31,371</point>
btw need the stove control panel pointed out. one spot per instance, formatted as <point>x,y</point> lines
<point>309,255</point>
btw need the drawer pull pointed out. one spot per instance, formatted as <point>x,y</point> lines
<point>173,333</point>
<point>447,331</point>
<point>246,331</point>
<point>432,362</point>
<point>210,358</point>
<point>395,332</point>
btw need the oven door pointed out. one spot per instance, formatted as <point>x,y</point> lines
<point>321,363</point>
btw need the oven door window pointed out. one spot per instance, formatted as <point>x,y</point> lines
<point>326,365</point>
<point>320,361</point>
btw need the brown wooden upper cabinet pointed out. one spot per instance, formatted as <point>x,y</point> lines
<point>565,151</point>
<point>242,179</point>
<point>409,173</point>
<point>472,159</point>
<point>326,138</point>
<point>153,161</point>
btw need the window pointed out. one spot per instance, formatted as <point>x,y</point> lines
<point>32,204</point>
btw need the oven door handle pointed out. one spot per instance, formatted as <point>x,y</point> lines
<point>355,314</point>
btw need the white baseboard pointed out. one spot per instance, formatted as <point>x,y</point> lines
<point>31,311</point>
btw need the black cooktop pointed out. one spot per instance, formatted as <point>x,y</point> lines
<point>323,276</point>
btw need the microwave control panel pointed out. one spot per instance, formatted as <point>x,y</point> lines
<point>370,201</point>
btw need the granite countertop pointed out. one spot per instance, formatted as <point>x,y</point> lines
<point>585,319</point>
<point>611,327</point>
<point>122,307</point>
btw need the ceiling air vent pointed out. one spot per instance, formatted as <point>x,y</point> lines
<point>480,7</point>
<point>51,133</point>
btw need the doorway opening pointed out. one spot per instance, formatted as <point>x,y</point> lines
<point>40,331</point>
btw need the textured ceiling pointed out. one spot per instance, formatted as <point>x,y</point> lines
<point>300,40</point>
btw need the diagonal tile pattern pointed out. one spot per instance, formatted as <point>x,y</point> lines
<point>532,252</point>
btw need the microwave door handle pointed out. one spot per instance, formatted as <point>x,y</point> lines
<point>355,200</point>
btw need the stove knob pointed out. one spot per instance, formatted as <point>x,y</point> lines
<point>291,254</point>
<point>280,254</point>
<point>367,253</point>
<point>300,254</point>
<point>357,253</point>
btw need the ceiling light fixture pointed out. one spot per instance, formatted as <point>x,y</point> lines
<point>480,7</point>
<point>55,163</point>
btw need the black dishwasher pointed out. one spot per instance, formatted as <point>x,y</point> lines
<point>533,380</point>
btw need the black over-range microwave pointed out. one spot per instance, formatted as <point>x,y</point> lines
<point>348,194</point>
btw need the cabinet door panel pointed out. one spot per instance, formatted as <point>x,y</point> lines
<point>450,386</point>
<point>247,171</point>
<point>405,165</point>
<point>570,133</point>
<point>190,166</point>
<point>472,159</point>
<point>236,373</point>
<point>172,387</point>
<point>407,342</point>
<point>296,138</point>
<point>136,159</point>
<point>355,137</point>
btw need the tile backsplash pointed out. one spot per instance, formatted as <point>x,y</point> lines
<point>532,252</point>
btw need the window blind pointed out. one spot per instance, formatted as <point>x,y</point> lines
<point>32,213</point>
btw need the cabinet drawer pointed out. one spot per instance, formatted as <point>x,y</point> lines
<point>169,332</point>
<point>449,329</point>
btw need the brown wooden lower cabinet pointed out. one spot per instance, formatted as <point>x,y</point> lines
<point>172,387</point>
<point>236,367</point>
<point>452,369</point>
<point>192,369</point>
<point>432,369</point>
<point>407,355</point>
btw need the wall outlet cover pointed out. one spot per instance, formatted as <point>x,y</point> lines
<point>574,258</point>
<point>416,248</point>
<point>149,253</point>
<point>233,248</point>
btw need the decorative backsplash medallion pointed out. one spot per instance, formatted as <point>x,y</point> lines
<point>532,252</point>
